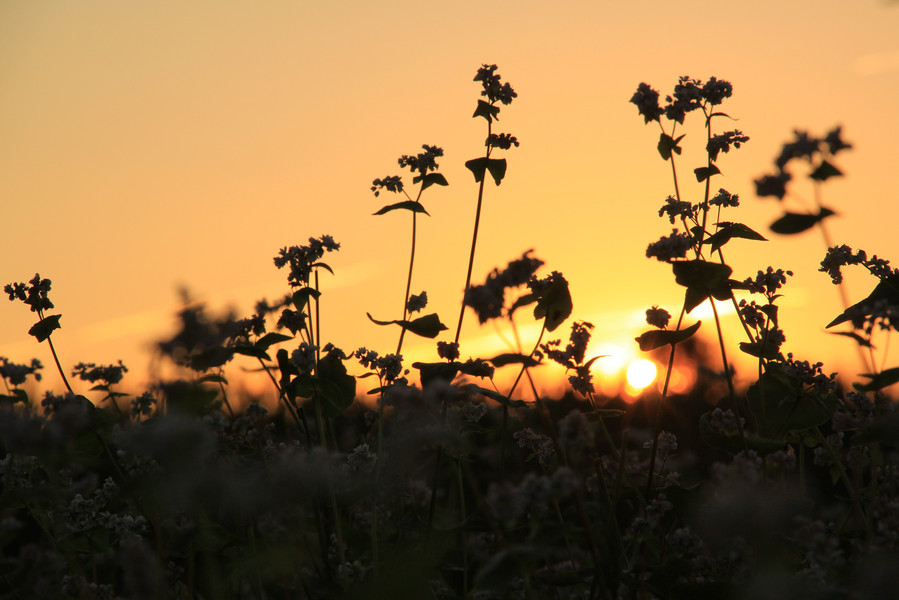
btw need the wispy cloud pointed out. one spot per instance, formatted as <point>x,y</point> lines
<point>877,63</point>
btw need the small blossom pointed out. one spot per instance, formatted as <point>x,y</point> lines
<point>723,142</point>
<point>417,302</point>
<point>15,374</point>
<point>716,90</point>
<point>423,161</point>
<point>677,209</point>
<point>658,317</point>
<point>92,373</point>
<point>501,140</point>
<point>647,101</point>
<point>34,294</point>
<point>391,183</point>
<point>669,247</point>
<point>725,199</point>
<point>767,282</point>
<point>772,185</point>
<point>448,350</point>
<point>834,142</point>
<point>494,89</point>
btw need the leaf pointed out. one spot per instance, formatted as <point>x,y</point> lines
<point>248,350</point>
<point>879,380</point>
<point>858,339</point>
<point>427,326</point>
<point>703,173</point>
<point>439,371</point>
<point>787,406</point>
<point>792,223</point>
<point>212,378</point>
<point>667,145</point>
<point>554,304</point>
<point>494,395</point>
<point>702,279</point>
<point>429,180</point>
<point>658,337</point>
<point>409,205</point>
<point>269,339</point>
<point>510,358</point>
<point>43,328</point>
<point>16,395</point>
<point>486,110</point>
<point>477,166</point>
<point>301,297</point>
<point>340,390</point>
<point>825,171</point>
<point>760,349</point>
<point>728,231</point>
<point>884,295</point>
<point>497,168</point>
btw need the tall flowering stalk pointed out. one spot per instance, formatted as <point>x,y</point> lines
<point>35,294</point>
<point>495,92</point>
<point>423,163</point>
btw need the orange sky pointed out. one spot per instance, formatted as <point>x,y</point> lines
<point>151,145</point>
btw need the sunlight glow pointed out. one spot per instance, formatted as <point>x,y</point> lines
<point>640,373</point>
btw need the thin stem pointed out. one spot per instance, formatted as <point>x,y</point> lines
<point>658,423</point>
<point>399,345</point>
<point>474,240</point>
<point>59,366</point>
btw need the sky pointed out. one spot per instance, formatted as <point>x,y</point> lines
<point>153,146</point>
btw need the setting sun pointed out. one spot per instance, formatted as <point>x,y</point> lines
<point>640,373</point>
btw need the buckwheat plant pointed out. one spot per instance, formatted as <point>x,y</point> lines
<point>423,163</point>
<point>496,92</point>
<point>35,294</point>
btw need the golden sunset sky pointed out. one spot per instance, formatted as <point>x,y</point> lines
<point>151,145</point>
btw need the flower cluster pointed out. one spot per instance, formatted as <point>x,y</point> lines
<point>417,302</point>
<point>15,374</point>
<point>841,256</point>
<point>501,140</point>
<point>767,282</point>
<point>303,259</point>
<point>657,317</point>
<point>92,373</point>
<point>391,183</point>
<point>725,199</point>
<point>670,247</point>
<point>678,209</point>
<point>723,142</point>
<point>494,89</point>
<point>423,161</point>
<point>689,95</point>
<point>817,151</point>
<point>488,299</point>
<point>34,293</point>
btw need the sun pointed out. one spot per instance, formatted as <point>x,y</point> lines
<point>640,373</point>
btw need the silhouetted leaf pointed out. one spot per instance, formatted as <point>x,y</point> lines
<point>250,350</point>
<point>510,358</point>
<point>270,339</point>
<point>213,378</point>
<point>429,180</point>
<point>486,110</point>
<point>792,223</point>
<point>46,326</point>
<point>858,339</point>
<point>427,326</point>
<point>703,173</point>
<point>477,166</point>
<point>788,407</point>
<point>439,371</point>
<point>340,388</point>
<point>494,395</point>
<point>667,145</point>
<point>657,338</point>
<point>301,297</point>
<point>884,295</point>
<point>825,171</point>
<point>879,380</point>
<point>476,368</point>
<point>760,349</point>
<point>702,279</point>
<point>727,231</point>
<point>497,168</point>
<point>409,205</point>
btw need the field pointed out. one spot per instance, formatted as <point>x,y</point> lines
<point>374,477</point>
